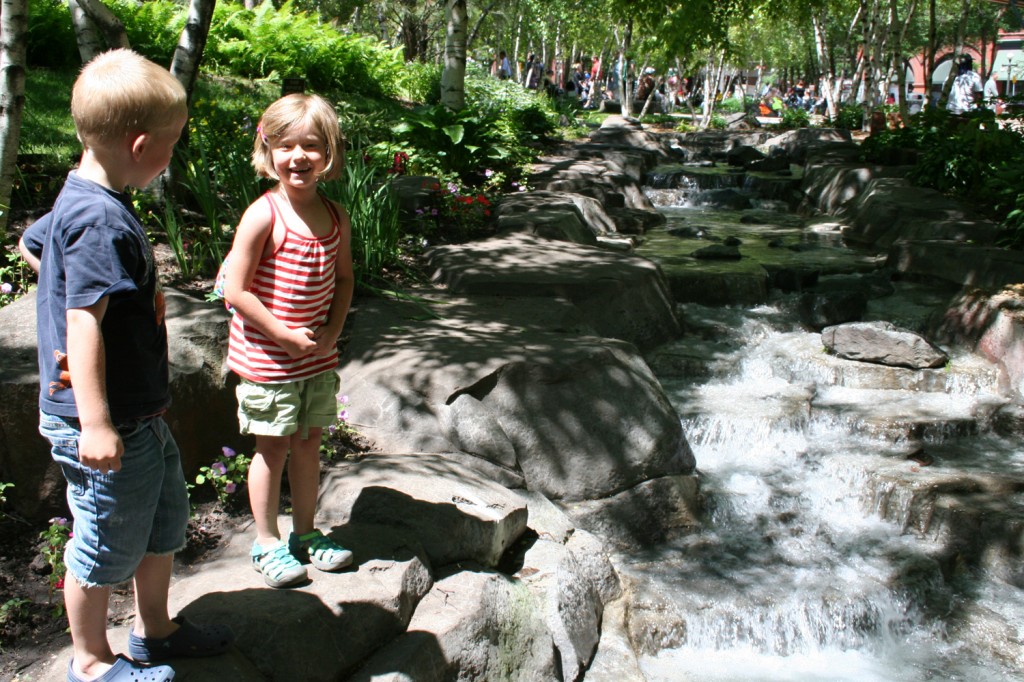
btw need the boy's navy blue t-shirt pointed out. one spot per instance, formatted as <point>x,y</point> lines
<point>92,245</point>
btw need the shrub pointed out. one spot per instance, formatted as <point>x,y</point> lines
<point>849,117</point>
<point>51,40</point>
<point>795,118</point>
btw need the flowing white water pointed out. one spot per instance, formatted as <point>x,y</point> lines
<point>825,553</point>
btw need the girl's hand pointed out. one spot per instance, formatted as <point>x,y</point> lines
<point>326,341</point>
<point>299,343</point>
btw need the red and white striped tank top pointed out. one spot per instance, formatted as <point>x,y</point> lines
<point>296,284</point>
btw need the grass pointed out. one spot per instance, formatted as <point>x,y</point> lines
<point>47,130</point>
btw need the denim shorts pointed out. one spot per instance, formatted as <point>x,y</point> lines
<point>284,409</point>
<point>121,516</point>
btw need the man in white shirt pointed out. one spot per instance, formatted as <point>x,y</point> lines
<point>967,88</point>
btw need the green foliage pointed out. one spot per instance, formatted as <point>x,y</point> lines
<point>271,42</point>
<point>451,143</point>
<point>14,609</point>
<point>153,27</point>
<point>55,539</point>
<point>717,122</point>
<point>795,118</point>
<point>373,210</point>
<point>456,215</point>
<point>972,157</point>
<point>3,491</point>
<point>51,39</point>
<point>226,473</point>
<point>335,436</point>
<point>15,282</point>
<point>421,82</point>
<point>849,117</point>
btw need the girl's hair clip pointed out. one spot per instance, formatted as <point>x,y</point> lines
<point>259,131</point>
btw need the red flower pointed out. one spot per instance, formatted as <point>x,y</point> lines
<point>483,200</point>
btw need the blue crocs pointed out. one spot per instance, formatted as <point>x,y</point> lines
<point>127,671</point>
<point>188,641</point>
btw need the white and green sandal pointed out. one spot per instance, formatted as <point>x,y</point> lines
<point>278,566</point>
<point>316,548</point>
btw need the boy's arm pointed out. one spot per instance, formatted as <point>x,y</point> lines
<point>31,243</point>
<point>100,446</point>
<point>252,234</point>
<point>326,336</point>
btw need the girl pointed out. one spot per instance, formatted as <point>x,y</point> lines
<point>290,283</point>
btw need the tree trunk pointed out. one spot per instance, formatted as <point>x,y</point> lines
<point>453,76</point>
<point>13,45</point>
<point>189,52</point>
<point>958,40</point>
<point>108,23</point>
<point>625,94</point>
<point>86,34</point>
<point>825,57</point>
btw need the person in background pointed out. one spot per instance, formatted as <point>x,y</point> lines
<point>104,374</point>
<point>967,89</point>
<point>504,69</point>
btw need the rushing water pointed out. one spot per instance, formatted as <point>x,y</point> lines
<point>832,491</point>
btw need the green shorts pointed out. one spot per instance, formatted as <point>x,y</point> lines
<point>284,409</point>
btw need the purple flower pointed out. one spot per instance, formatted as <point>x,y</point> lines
<point>488,173</point>
<point>343,399</point>
<point>219,468</point>
<point>230,487</point>
<point>228,452</point>
<point>332,429</point>
<point>58,521</point>
<point>343,415</point>
<point>453,188</point>
<point>6,288</point>
<point>419,211</point>
<point>433,211</point>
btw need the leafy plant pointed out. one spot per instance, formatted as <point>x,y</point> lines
<point>55,539</point>
<point>3,489</point>
<point>226,473</point>
<point>15,281</point>
<point>373,210</point>
<point>340,430</point>
<point>849,117</point>
<point>14,609</point>
<point>795,117</point>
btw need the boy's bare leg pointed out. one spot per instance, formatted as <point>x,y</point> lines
<point>304,480</point>
<point>87,618</point>
<point>265,485</point>
<point>152,584</point>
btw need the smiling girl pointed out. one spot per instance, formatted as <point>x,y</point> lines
<point>290,284</point>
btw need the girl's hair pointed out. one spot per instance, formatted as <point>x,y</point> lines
<point>288,112</point>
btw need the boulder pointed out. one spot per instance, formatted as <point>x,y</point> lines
<point>882,343</point>
<point>820,309</point>
<point>718,252</point>
<point>728,198</point>
<point>618,295</point>
<point>548,214</point>
<point>742,156</point>
<point>489,385</point>
<point>202,414</point>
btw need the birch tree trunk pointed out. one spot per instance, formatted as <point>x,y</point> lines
<point>958,40</point>
<point>86,34</point>
<point>191,43</point>
<point>818,19</point>
<point>13,46</point>
<point>453,75</point>
<point>625,94</point>
<point>107,22</point>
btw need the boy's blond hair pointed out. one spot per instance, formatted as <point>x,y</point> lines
<point>292,110</point>
<point>121,93</point>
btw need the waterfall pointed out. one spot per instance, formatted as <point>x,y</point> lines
<point>860,521</point>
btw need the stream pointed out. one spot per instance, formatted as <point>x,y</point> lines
<point>860,522</point>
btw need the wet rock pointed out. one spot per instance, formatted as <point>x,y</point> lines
<point>882,343</point>
<point>726,198</point>
<point>688,232</point>
<point>718,252</point>
<point>790,279</point>
<point>742,156</point>
<point>732,241</point>
<point>820,309</point>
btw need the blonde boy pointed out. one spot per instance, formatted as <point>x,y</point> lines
<point>104,373</point>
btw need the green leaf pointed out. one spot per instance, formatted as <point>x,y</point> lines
<point>455,133</point>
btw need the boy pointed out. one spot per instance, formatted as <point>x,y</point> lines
<point>104,372</point>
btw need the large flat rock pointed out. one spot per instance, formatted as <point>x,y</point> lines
<point>513,386</point>
<point>619,295</point>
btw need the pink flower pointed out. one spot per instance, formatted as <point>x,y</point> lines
<point>228,452</point>
<point>230,487</point>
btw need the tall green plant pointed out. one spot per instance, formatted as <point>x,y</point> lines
<point>373,210</point>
